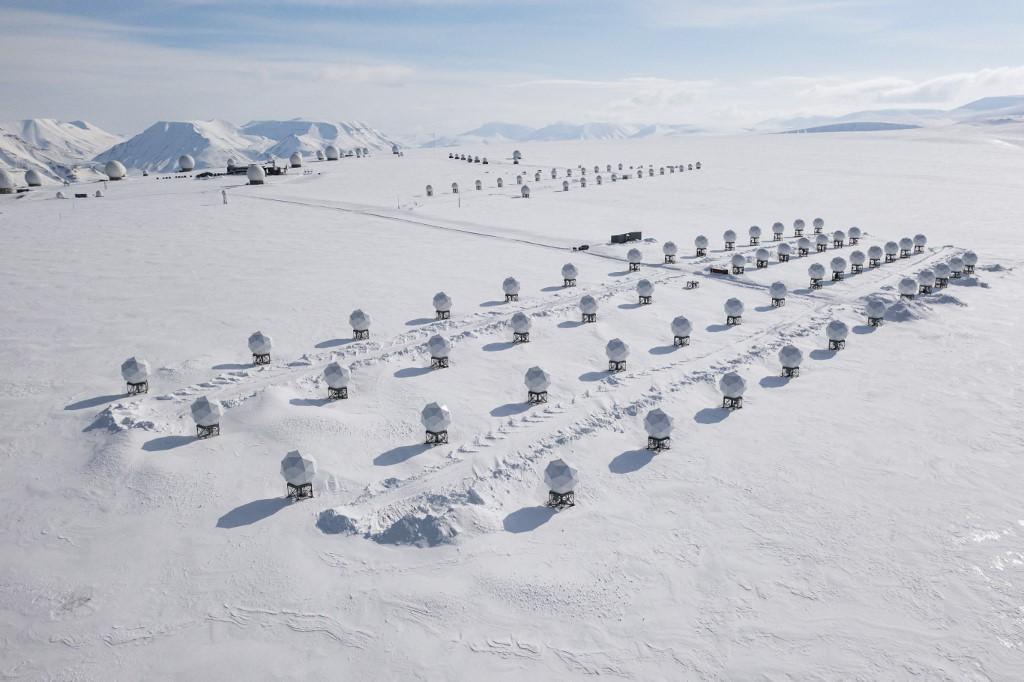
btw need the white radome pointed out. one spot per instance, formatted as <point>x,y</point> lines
<point>320,155</point>
<point>790,356</point>
<point>920,240</point>
<point>435,417</point>
<point>816,271</point>
<point>732,385</point>
<point>115,170</point>
<point>906,243</point>
<point>634,256</point>
<point>891,248</point>
<point>857,258</point>
<point>134,370</point>
<point>701,242</point>
<point>799,224</point>
<point>186,162</point>
<point>803,243</point>
<point>6,181</point>
<point>439,346</point>
<point>537,380</point>
<point>729,236</point>
<point>875,252</point>
<point>777,290</point>
<point>956,264</point>
<point>821,239</point>
<point>778,228</point>
<point>942,270</point>
<point>521,323</point>
<point>588,304</point>
<point>569,271</point>
<point>359,320</point>
<point>658,424</point>
<point>970,258</point>
<point>331,152</point>
<point>755,231</point>
<point>785,250</point>
<point>681,326</point>
<point>855,233</point>
<point>561,477</point>
<point>837,330</point>
<point>260,343</point>
<point>669,248</point>
<point>839,236</point>
<point>297,468</point>
<point>337,375</point>
<point>908,286</point>
<point>33,178</point>
<point>733,307</point>
<point>442,302</point>
<point>762,254</point>
<point>255,173</point>
<point>231,162</point>
<point>206,412</point>
<point>838,264</point>
<point>645,288</point>
<point>926,278</point>
<point>617,350</point>
<point>738,260</point>
<point>510,285</point>
<point>295,160</point>
<point>875,308</point>
<point>818,223</point>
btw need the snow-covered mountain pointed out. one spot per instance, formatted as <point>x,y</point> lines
<point>210,143</point>
<point>986,110</point>
<point>497,133</point>
<point>310,136</point>
<point>58,150</point>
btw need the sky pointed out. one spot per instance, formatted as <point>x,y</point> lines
<point>424,67</point>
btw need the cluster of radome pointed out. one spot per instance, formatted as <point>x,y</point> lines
<point>580,179</point>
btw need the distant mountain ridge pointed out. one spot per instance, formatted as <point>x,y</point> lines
<point>497,132</point>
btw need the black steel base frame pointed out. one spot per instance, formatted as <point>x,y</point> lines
<point>790,372</point>
<point>733,320</point>
<point>261,358</point>
<point>822,248</point>
<point>645,300</point>
<point>509,298</point>
<point>561,501</point>
<point>670,259</point>
<point>138,388</point>
<point>924,289</point>
<point>836,276</point>
<point>438,363</point>
<point>702,252</point>
<point>874,321</point>
<point>873,263</point>
<point>737,270</point>
<point>569,282</point>
<point>692,283</point>
<point>815,283</point>
<point>754,241</point>
<point>732,403</point>
<point>904,253</point>
<point>436,437</point>
<point>536,397</point>
<point>802,252</point>
<point>590,317</point>
<point>360,334</point>
<point>444,315</point>
<point>300,492</point>
<point>658,444</point>
<point>337,393</point>
<point>837,244</point>
<point>520,337</point>
<point>761,264</point>
<point>729,246</point>
<point>833,344</point>
<point>856,269</point>
<point>778,302</point>
<point>204,432</point>
<point>681,341</point>
<point>634,267</point>
<point>783,257</point>
<point>616,365</point>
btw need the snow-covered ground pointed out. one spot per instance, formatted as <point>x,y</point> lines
<point>861,521</point>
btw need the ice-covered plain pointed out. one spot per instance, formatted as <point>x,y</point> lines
<point>859,521</point>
